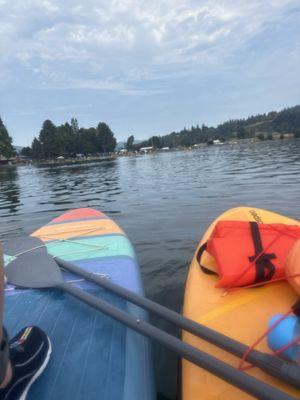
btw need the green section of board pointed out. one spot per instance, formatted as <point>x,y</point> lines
<point>8,259</point>
<point>91,247</point>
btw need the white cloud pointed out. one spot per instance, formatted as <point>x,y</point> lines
<point>119,44</point>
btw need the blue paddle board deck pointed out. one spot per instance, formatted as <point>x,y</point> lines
<point>94,357</point>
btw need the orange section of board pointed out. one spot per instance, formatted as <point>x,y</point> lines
<point>243,315</point>
<point>78,229</point>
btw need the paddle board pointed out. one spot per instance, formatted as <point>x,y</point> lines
<point>93,357</point>
<point>242,315</point>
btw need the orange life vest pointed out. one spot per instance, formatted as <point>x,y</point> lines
<point>248,252</point>
<point>293,266</point>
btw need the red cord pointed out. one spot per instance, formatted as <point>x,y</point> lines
<point>287,346</point>
<point>252,347</point>
<point>278,351</point>
<point>282,278</point>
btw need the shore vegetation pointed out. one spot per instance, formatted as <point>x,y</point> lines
<point>71,141</point>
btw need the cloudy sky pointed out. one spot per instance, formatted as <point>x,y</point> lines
<point>145,66</point>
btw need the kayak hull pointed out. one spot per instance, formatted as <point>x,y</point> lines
<point>93,357</point>
<point>242,315</point>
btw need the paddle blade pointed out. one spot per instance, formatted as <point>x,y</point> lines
<point>32,269</point>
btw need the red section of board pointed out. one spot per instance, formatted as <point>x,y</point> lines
<point>79,213</point>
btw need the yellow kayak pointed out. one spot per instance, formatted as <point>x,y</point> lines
<point>242,315</point>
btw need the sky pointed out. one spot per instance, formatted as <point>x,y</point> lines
<point>145,67</point>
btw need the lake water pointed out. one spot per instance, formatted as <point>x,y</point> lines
<point>164,202</point>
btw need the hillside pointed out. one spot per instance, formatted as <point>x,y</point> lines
<point>286,121</point>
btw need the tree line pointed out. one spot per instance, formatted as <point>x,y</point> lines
<point>68,140</point>
<point>261,126</point>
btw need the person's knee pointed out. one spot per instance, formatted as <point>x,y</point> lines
<point>4,354</point>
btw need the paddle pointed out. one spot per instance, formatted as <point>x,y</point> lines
<point>34,269</point>
<point>270,364</point>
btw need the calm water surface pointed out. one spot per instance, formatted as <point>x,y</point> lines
<point>164,202</point>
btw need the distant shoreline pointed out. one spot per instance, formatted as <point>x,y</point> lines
<point>233,142</point>
<point>70,161</point>
<point>55,162</point>
<point>92,159</point>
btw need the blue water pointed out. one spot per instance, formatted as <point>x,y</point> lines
<point>164,202</point>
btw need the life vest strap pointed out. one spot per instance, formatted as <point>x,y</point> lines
<point>264,267</point>
<point>198,257</point>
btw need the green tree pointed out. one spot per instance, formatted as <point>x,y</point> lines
<point>129,144</point>
<point>241,133</point>
<point>26,151</point>
<point>261,136</point>
<point>67,139</point>
<point>50,140</point>
<point>106,141</point>
<point>74,125</point>
<point>87,141</point>
<point>269,136</point>
<point>37,149</point>
<point>287,120</point>
<point>155,141</point>
<point>6,147</point>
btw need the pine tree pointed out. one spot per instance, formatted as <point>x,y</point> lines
<point>106,141</point>
<point>74,125</point>
<point>154,141</point>
<point>50,140</point>
<point>67,139</point>
<point>87,141</point>
<point>129,143</point>
<point>37,149</point>
<point>6,147</point>
<point>26,151</point>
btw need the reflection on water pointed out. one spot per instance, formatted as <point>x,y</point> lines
<point>164,202</point>
<point>48,191</point>
<point>9,193</point>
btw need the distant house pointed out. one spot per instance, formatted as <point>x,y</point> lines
<point>146,149</point>
<point>217,142</point>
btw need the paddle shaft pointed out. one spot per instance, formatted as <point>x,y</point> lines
<point>224,371</point>
<point>266,362</point>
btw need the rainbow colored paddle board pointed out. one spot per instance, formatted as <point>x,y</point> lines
<point>93,357</point>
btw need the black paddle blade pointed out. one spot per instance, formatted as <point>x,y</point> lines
<point>32,268</point>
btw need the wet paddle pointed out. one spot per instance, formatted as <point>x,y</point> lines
<point>35,269</point>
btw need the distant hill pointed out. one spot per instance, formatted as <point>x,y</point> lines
<point>263,126</point>
<point>18,149</point>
